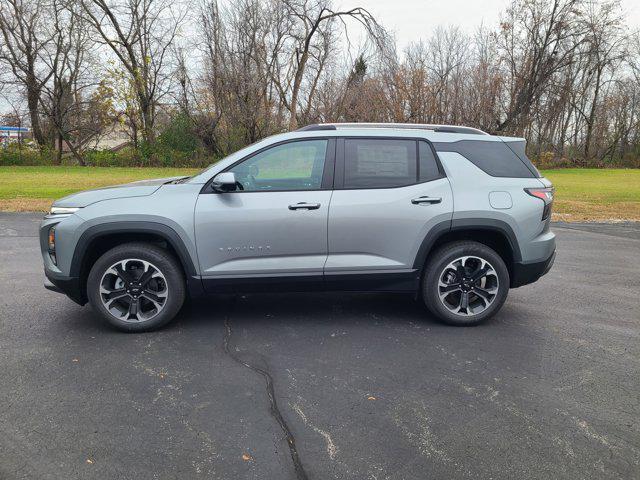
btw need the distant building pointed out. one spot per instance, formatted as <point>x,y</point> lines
<point>12,134</point>
<point>114,138</point>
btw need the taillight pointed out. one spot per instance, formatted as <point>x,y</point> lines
<point>544,194</point>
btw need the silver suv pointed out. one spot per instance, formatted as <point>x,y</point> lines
<point>450,213</point>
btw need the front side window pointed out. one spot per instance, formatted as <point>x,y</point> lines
<point>379,163</point>
<point>290,166</point>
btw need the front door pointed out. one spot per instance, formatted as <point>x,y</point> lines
<point>390,193</point>
<point>275,225</point>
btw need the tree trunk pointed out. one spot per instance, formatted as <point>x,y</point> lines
<point>59,152</point>
<point>295,91</point>
<point>592,117</point>
<point>33,98</point>
<point>146,111</point>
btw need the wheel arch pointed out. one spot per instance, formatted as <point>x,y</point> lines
<point>496,234</point>
<point>98,239</point>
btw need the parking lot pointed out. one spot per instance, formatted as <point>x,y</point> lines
<point>320,386</point>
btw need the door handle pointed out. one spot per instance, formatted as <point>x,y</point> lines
<point>304,206</point>
<point>430,200</point>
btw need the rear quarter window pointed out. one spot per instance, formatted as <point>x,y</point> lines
<point>494,158</point>
<point>427,164</point>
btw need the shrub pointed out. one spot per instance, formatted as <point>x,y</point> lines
<point>25,155</point>
<point>101,158</point>
<point>148,155</point>
<point>549,160</point>
<point>178,135</point>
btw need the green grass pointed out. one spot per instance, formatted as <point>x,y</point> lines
<point>592,184</point>
<point>34,188</point>
<point>581,194</point>
<point>596,194</point>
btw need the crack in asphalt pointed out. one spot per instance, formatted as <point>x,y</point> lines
<point>275,411</point>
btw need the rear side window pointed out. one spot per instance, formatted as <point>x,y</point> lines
<point>379,163</point>
<point>494,158</point>
<point>428,166</point>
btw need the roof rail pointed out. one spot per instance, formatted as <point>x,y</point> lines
<point>408,126</point>
<point>314,127</point>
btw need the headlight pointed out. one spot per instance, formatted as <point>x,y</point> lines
<point>63,210</point>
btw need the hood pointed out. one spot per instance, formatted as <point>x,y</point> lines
<point>141,188</point>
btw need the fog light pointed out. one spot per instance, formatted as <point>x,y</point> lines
<point>52,239</point>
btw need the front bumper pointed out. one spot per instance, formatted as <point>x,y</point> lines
<point>57,275</point>
<point>49,285</point>
<point>70,286</point>
<point>525,273</point>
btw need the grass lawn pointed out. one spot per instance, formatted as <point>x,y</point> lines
<point>34,188</point>
<point>584,194</point>
<point>581,194</point>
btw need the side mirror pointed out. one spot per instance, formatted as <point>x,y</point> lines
<point>224,182</point>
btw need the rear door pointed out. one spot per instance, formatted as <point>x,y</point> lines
<point>389,194</point>
<point>276,225</point>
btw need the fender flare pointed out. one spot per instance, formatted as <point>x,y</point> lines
<point>165,232</point>
<point>461,224</point>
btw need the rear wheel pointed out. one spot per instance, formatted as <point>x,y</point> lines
<point>136,287</point>
<point>465,283</point>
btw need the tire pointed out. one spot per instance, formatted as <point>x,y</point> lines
<point>484,297</point>
<point>140,273</point>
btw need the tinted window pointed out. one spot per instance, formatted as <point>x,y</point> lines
<point>428,165</point>
<point>519,148</point>
<point>495,158</point>
<point>291,166</point>
<point>373,163</point>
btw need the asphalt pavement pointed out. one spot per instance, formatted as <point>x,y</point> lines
<point>324,386</point>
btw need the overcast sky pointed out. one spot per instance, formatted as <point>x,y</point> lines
<point>411,20</point>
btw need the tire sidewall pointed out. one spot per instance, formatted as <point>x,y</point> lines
<point>445,255</point>
<point>162,260</point>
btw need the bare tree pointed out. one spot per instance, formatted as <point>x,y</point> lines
<point>26,38</point>
<point>140,33</point>
<point>61,100</point>
<point>237,101</point>
<point>604,50</point>
<point>303,28</point>
<point>538,38</point>
<point>563,73</point>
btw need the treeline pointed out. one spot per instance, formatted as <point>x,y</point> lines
<point>189,83</point>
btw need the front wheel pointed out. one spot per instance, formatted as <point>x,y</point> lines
<point>465,283</point>
<point>136,287</point>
